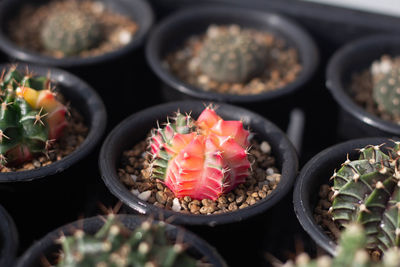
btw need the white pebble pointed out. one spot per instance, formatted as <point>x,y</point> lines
<point>145,195</point>
<point>383,66</point>
<point>134,177</point>
<point>269,171</point>
<point>135,192</point>
<point>124,37</point>
<point>271,178</point>
<point>265,147</point>
<point>176,206</point>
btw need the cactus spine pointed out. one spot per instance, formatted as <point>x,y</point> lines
<point>232,55</point>
<point>367,191</point>
<point>70,32</point>
<point>115,245</point>
<point>30,117</point>
<point>201,158</point>
<point>386,85</point>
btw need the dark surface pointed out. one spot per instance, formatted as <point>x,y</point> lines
<point>47,247</point>
<point>128,85</point>
<point>8,239</point>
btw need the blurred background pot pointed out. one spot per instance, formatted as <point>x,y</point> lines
<point>8,239</point>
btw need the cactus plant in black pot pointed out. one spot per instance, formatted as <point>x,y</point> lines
<point>125,240</point>
<point>228,54</point>
<point>205,205</point>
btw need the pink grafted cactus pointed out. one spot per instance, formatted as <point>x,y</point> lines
<point>201,159</point>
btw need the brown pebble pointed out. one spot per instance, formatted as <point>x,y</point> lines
<point>244,205</point>
<point>232,207</point>
<point>161,197</point>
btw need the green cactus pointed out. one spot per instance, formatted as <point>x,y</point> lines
<point>232,55</point>
<point>70,32</point>
<point>386,91</point>
<point>351,253</point>
<point>29,116</point>
<point>115,245</point>
<point>367,191</point>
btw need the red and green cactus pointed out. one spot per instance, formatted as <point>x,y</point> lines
<point>30,116</point>
<point>201,158</point>
<point>367,191</point>
<point>115,245</point>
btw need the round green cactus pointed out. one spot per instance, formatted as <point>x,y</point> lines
<point>115,245</point>
<point>367,191</point>
<point>70,32</point>
<point>232,54</point>
<point>386,91</point>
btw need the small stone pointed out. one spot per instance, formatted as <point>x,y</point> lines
<point>265,147</point>
<point>187,199</point>
<point>269,171</point>
<point>145,195</point>
<point>134,177</point>
<point>36,163</point>
<point>240,199</point>
<point>230,197</point>
<point>176,206</point>
<point>222,200</point>
<point>161,197</point>
<point>232,207</point>
<point>135,192</point>
<point>244,205</point>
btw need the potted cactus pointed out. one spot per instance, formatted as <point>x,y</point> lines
<point>30,119</point>
<point>364,190</point>
<point>196,160</point>
<point>228,54</point>
<point>362,77</point>
<point>124,240</point>
<point>8,239</point>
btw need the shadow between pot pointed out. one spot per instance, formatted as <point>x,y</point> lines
<point>8,239</point>
<point>317,172</point>
<point>47,247</point>
<point>354,120</point>
<point>172,32</point>
<point>216,229</point>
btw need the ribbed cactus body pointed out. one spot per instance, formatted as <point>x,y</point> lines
<point>201,158</point>
<point>386,92</point>
<point>232,55</point>
<point>30,116</point>
<point>367,191</point>
<point>115,245</point>
<point>70,32</point>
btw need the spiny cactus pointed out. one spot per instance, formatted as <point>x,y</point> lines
<point>115,245</point>
<point>386,91</point>
<point>30,116</point>
<point>367,191</point>
<point>70,32</point>
<point>351,252</point>
<point>201,158</point>
<point>232,54</point>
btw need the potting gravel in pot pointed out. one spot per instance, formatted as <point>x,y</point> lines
<point>199,165</point>
<point>50,121</point>
<point>8,239</point>
<point>352,182</point>
<point>363,77</point>
<point>228,54</point>
<point>120,240</point>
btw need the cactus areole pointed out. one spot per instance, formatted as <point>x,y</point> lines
<point>201,158</point>
<point>30,116</point>
<point>367,191</point>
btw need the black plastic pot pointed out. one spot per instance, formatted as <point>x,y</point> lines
<point>47,247</point>
<point>124,68</point>
<point>214,228</point>
<point>316,172</point>
<point>138,10</point>
<point>174,30</point>
<point>355,121</point>
<point>8,239</point>
<point>59,188</point>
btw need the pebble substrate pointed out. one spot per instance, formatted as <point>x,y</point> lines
<point>263,179</point>
<point>361,91</point>
<point>283,66</point>
<point>118,30</point>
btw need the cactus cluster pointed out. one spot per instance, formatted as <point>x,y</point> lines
<point>351,252</point>
<point>232,54</point>
<point>367,191</point>
<point>30,116</point>
<point>70,32</point>
<point>386,85</point>
<point>115,245</point>
<point>201,158</point>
